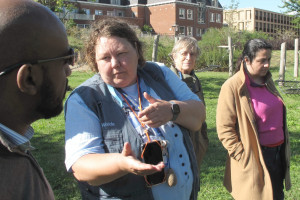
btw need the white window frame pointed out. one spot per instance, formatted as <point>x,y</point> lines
<point>181,30</point>
<point>189,31</point>
<point>181,13</point>
<point>98,12</point>
<point>218,17</point>
<point>212,17</point>
<point>110,13</point>
<point>83,25</point>
<point>87,11</point>
<point>189,14</point>
<point>115,2</point>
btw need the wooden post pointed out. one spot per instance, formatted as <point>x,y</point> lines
<point>230,56</point>
<point>296,60</point>
<point>282,64</point>
<point>155,46</point>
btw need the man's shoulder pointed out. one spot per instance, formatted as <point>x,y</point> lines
<point>24,169</point>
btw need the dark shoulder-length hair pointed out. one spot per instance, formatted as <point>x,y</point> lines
<point>107,28</point>
<point>250,50</point>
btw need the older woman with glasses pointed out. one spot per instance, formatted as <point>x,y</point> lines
<point>127,127</point>
<point>184,55</point>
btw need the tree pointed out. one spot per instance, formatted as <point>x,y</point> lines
<point>54,5</point>
<point>147,28</point>
<point>293,8</point>
<point>62,7</point>
<point>231,13</point>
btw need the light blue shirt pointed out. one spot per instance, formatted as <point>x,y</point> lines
<point>17,139</point>
<point>82,135</point>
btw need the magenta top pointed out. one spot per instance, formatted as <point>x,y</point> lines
<point>268,110</point>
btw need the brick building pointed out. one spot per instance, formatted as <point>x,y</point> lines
<point>254,19</point>
<point>165,17</point>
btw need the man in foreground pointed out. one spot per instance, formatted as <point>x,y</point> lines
<point>34,65</point>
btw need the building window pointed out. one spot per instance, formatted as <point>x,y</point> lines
<point>83,25</point>
<point>181,30</point>
<point>190,14</point>
<point>248,14</point>
<point>212,17</point>
<point>187,0</point>
<point>201,15</point>
<point>87,11</point>
<point>218,18</point>
<point>98,12</point>
<point>115,2</point>
<point>190,31</point>
<point>119,13</point>
<point>181,13</point>
<point>198,32</point>
<point>260,15</point>
<point>110,13</point>
<point>215,3</point>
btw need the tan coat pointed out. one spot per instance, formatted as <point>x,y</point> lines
<point>246,174</point>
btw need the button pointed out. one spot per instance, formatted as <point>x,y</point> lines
<point>182,164</point>
<point>172,125</point>
<point>176,134</point>
<point>185,173</point>
<point>180,155</point>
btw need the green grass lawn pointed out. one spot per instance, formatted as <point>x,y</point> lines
<point>49,140</point>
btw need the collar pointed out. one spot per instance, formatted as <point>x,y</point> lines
<point>20,141</point>
<point>184,76</point>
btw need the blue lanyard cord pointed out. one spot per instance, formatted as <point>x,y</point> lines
<point>180,75</point>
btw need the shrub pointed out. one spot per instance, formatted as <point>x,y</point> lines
<point>213,54</point>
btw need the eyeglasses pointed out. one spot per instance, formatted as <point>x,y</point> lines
<point>70,59</point>
<point>185,54</point>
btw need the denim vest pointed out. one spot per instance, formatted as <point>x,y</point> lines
<point>117,129</point>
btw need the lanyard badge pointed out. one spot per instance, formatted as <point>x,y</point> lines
<point>153,151</point>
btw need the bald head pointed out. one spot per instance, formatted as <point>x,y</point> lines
<point>28,31</point>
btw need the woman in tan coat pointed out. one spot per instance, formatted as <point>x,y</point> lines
<point>251,124</point>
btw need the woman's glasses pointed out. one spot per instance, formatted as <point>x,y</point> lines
<point>70,59</point>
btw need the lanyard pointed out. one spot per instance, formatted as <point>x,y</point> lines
<point>180,75</point>
<point>140,107</point>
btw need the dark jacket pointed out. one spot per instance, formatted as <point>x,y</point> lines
<point>21,177</point>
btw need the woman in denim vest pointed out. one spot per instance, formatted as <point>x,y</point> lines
<point>127,107</point>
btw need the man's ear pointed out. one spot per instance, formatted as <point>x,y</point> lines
<point>29,78</point>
